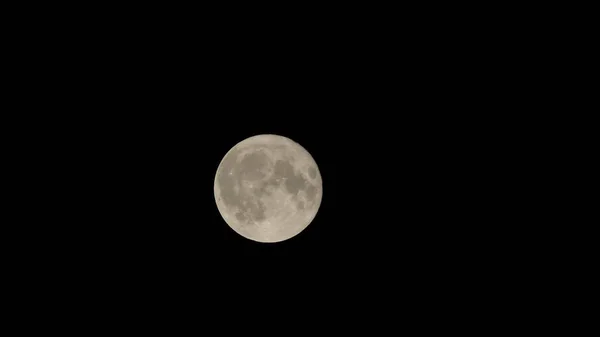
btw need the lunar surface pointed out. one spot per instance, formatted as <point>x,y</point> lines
<point>268,188</point>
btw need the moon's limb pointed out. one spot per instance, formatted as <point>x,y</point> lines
<point>271,202</point>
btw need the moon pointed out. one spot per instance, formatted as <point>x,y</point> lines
<point>268,188</point>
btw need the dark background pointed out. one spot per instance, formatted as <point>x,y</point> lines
<point>136,203</point>
<point>400,120</point>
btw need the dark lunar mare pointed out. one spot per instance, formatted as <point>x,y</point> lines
<point>294,182</point>
<point>252,165</point>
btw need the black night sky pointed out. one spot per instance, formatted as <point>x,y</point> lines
<point>140,123</point>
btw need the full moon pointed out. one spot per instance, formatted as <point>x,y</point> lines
<point>268,188</point>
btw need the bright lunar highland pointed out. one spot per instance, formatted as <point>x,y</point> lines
<point>268,188</point>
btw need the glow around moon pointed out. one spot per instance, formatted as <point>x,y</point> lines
<point>268,188</point>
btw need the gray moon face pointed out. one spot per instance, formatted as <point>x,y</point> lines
<point>268,188</point>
